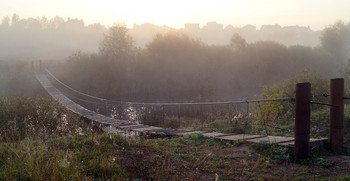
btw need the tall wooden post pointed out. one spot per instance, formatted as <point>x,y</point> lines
<point>337,115</point>
<point>302,120</point>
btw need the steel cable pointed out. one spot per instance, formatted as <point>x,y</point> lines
<point>169,103</point>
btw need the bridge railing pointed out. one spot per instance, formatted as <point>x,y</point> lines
<point>200,115</point>
<point>157,113</point>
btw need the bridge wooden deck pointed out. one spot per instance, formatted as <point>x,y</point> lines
<point>142,128</point>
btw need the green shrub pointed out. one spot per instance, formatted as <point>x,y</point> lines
<point>265,111</point>
<point>320,115</point>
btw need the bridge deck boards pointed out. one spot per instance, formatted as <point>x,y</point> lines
<point>127,125</point>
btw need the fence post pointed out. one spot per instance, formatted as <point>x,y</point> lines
<point>302,120</point>
<point>337,115</point>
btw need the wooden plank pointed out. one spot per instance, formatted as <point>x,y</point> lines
<point>182,130</point>
<point>188,133</point>
<point>318,139</point>
<point>146,129</point>
<point>131,126</point>
<point>272,139</point>
<point>287,144</point>
<point>240,137</point>
<point>314,143</point>
<point>163,131</point>
<point>216,134</point>
<point>125,124</point>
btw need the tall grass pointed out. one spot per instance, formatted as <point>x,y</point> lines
<point>40,140</point>
<point>39,117</point>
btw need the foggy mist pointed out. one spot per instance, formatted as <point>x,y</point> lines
<point>202,99</point>
<point>159,63</point>
<point>41,38</point>
<point>55,39</point>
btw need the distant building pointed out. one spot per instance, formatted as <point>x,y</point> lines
<point>275,27</point>
<point>192,27</point>
<point>229,28</point>
<point>249,28</point>
<point>213,26</point>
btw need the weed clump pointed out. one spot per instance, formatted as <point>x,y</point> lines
<point>273,152</point>
<point>317,162</point>
<point>40,117</point>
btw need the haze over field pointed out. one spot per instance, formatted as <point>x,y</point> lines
<point>143,89</point>
<point>170,51</point>
<point>55,29</point>
<point>42,38</point>
<point>314,13</point>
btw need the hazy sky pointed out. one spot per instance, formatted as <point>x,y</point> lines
<point>174,13</point>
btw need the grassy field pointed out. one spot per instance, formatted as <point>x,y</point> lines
<point>117,157</point>
<point>41,140</point>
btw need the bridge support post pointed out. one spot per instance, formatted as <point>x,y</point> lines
<point>302,120</point>
<point>337,115</point>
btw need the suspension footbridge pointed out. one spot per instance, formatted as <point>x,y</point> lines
<point>109,123</point>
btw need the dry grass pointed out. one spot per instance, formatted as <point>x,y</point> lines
<point>47,146</point>
<point>40,117</point>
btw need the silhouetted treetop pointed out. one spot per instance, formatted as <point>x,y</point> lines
<point>116,43</point>
<point>336,40</point>
<point>173,43</point>
<point>237,43</point>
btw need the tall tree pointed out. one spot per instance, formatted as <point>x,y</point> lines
<point>116,44</point>
<point>336,40</point>
<point>237,42</point>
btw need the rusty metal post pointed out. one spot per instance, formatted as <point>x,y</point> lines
<point>302,120</point>
<point>337,115</point>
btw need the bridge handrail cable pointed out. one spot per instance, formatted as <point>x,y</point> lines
<point>70,88</point>
<point>168,103</point>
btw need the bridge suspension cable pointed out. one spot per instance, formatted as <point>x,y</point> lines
<point>70,88</point>
<point>167,103</point>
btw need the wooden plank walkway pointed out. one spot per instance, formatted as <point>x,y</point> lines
<point>142,128</point>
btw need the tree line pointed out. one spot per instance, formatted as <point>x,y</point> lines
<point>56,38</point>
<point>49,39</point>
<point>175,67</point>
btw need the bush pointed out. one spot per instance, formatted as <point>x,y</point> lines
<point>284,111</point>
<point>37,118</point>
<point>268,110</point>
